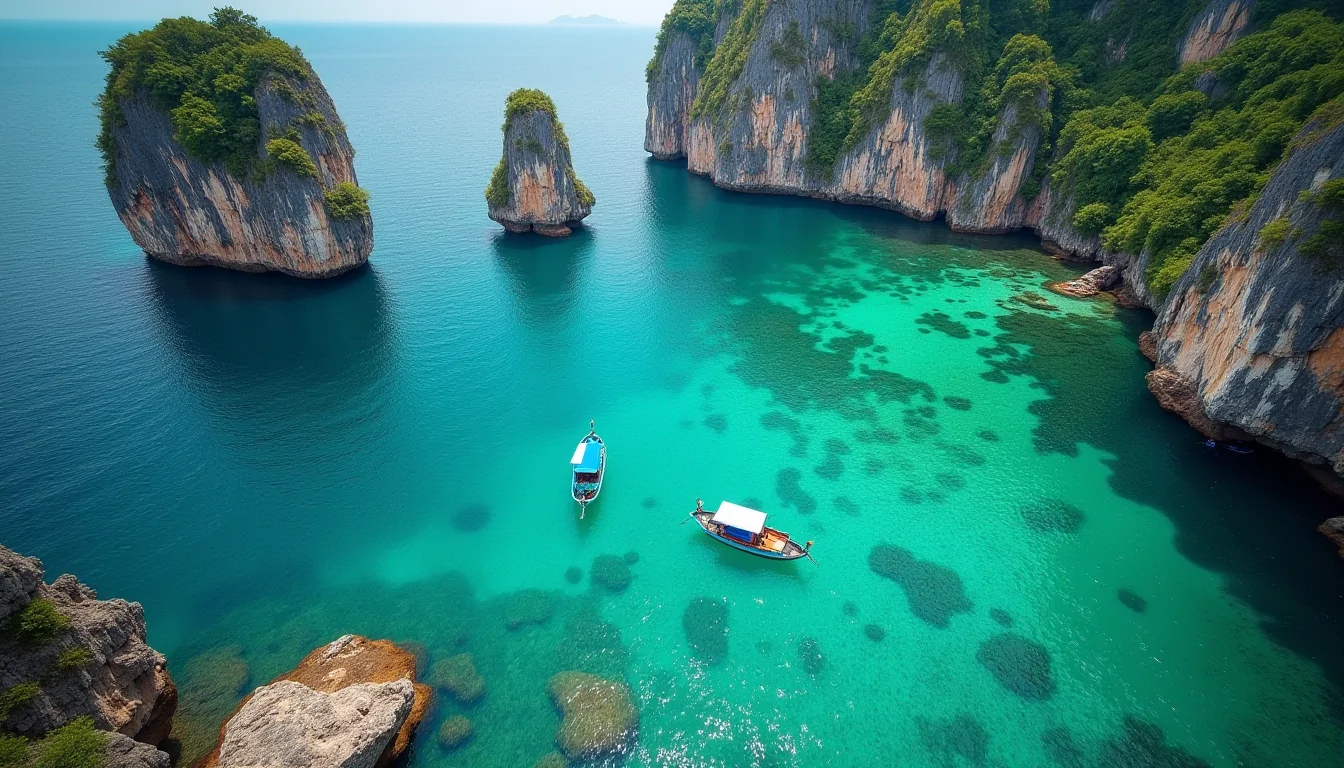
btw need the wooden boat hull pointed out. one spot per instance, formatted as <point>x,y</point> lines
<point>601,474</point>
<point>792,551</point>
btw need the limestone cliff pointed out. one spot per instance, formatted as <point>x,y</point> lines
<point>1255,328</point>
<point>351,704</point>
<point>534,187</point>
<point>1217,26</point>
<point>257,177</point>
<point>64,654</point>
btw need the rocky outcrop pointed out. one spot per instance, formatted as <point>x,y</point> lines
<point>1334,531</point>
<point>1256,324</point>
<point>352,703</point>
<point>599,717</point>
<point>90,661</point>
<point>288,723</point>
<point>534,187</point>
<point>1214,29</point>
<point>271,218</point>
<point>1102,278</point>
<point>123,752</point>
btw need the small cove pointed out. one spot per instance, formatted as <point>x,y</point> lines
<point>1060,574</point>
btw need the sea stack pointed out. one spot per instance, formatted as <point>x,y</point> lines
<point>221,147</point>
<point>534,187</point>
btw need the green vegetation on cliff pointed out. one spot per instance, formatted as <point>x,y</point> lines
<point>204,75</point>
<point>78,744</point>
<point>346,201</point>
<point>693,18</point>
<point>730,56</point>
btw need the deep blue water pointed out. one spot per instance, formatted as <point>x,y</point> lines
<point>267,463</point>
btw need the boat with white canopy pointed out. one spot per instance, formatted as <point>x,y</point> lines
<point>589,463</point>
<point>744,528</point>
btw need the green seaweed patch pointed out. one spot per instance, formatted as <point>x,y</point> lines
<point>1020,665</point>
<point>790,491</point>
<point>960,740</point>
<point>1142,743</point>
<point>610,573</point>
<point>935,592</point>
<point>874,632</point>
<point>630,557</point>
<point>1052,516</point>
<point>528,606</point>
<point>809,653</point>
<point>957,403</point>
<point>573,574</point>
<point>471,518</point>
<point>210,684</point>
<point>455,732</point>
<point>717,422</point>
<point>845,505</point>
<point>1001,617</point>
<point>705,622</point>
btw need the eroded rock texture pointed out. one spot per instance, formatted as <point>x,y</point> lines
<point>1256,326</point>
<point>353,703</point>
<point>535,188</point>
<point>271,218</point>
<point>759,143</point>
<point>119,681</point>
<point>1216,27</point>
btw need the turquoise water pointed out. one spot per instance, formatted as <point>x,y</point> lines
<point>1060,575</point>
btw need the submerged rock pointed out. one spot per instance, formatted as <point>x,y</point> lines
<point>77,656</point>
<point>459,677</point>
<point>610,573</point>
<point>308,714</point>
<point>250,170</point>
<point>455,732</point>
<point>599,717</point>
<point>534,187</point>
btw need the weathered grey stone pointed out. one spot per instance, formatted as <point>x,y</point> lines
<point>289,724</point>
<point>1334,531</point>
<point>124,686</point>
<point>122,752</point>
<point>183,211</point>
<point>19,579</point>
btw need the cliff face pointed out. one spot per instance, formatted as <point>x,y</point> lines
<point>1216,27</point>
<point>760,144</point>
<point>534,188</point>
<point>93,662</point>
<point>272,218</point>
<point>1255,328</point>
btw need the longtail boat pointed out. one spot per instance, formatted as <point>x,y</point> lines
<point>589,463</point>
<point>743,528</point>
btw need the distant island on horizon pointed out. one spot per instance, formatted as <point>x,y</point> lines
<point>590,20</point>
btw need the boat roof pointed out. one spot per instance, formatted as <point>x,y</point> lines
<point>740,517</point>
<point>587,457</point>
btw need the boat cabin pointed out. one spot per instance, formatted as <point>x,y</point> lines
<point>747,525</point>
<point>587,463</point>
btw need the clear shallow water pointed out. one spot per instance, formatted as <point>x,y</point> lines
<point>266,463</point>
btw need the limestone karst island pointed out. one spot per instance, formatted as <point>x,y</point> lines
<point>970,375</point>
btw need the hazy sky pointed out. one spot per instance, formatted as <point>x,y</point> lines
<point>503,11</point>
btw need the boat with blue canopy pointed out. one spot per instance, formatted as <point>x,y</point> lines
<point>589,463</point>
<point>744,528</point>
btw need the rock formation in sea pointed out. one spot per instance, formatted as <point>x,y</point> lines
<point>598,715</point>
<point>534,187</point>
<point>1128,132</point>
<point>244,165</point>
<point>67,657</point>
<point>353,703</point>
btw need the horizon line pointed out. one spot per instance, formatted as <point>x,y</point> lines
<point>423,22</point>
